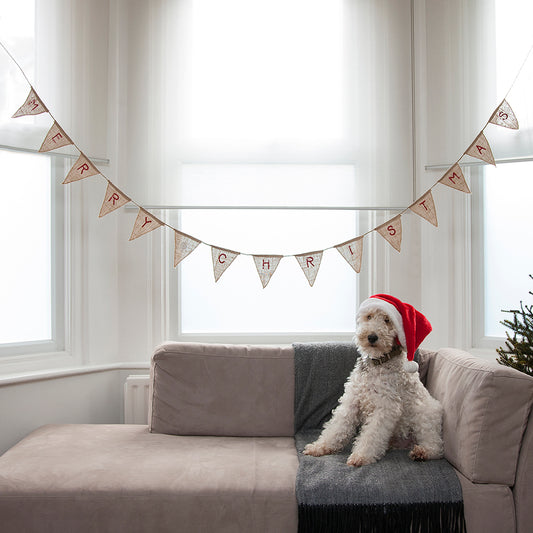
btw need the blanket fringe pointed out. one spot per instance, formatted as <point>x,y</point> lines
<point>398,518</point>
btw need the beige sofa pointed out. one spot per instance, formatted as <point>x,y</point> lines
<point>218,454</point>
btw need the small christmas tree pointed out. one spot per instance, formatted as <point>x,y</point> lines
<point>519,352</point>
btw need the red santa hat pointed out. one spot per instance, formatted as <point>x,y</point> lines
<point>411,325</point>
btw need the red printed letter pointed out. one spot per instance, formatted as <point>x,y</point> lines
<point>309,261</point>
<point>114,197</point>
<point>267,263</point>
<point>83,168</point>
<point>423,203</point>
<point>391,230</point>
<point>480,148</point>
<point>146,221</point>
<point>57,135</point>
<point>220,260</point>
<point>454,176</point>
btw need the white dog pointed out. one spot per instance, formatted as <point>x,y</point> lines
<point>384,396</point>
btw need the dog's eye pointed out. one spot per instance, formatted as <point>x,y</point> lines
<point>369,317</point>
<point>386,320</point>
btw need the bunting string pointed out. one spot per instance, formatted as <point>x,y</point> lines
<point>266,265</point>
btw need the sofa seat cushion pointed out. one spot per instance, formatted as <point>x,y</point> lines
<point>486,410</point>
<point>100,478</point>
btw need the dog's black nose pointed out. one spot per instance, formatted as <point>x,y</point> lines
<point>372,338</point>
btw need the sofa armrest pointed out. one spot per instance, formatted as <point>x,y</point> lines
<point>486,413</point>
<point>523,489</point>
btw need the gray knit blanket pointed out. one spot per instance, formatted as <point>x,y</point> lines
<point>395,494</point>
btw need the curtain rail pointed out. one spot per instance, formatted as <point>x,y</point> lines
<point>268,207</point>
<point>524,159</point>
<point>96,160</point>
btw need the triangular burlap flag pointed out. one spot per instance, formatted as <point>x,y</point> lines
<point>222,259</point>
<point>480,149</point>
<point>504,116</point>
<point>352,251</point>
<point>454,178</point>
<point>82,168</point>
<point>391,231</point>
<point>266,266</point>
<point>310,263</point>
<point>114,198</point>
<point>145,223</point>
<point>425,207</point>
<point>55,138</point>
<point>32,106</point>
<point>183,246</point>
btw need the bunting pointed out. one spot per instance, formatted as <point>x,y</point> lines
<point>480,149</point>
<point>266,265</point>
<point>310,263</point>
<point>144,223</point>
<point>183,246</point>
<point>222,259</point>
<point>113,199</point>
<point>454,178</point>
<point>82,168</point>
<point>425,207</point>
<point>32,106</point>
<point>391,231</point>
<point>55,138</point>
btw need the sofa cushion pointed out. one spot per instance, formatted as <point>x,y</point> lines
<point>222,390</point>
<point>486,409</point>
<point>113,478</point>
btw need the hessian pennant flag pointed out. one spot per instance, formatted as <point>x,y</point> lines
<point>266,266</point>
<point>425,207</point>
<point>183,246</point>
<point>55,138</point>
<point>391,231</point>
<point>113,199</point>
<point>81,169</point>
<point>454,178</point>
<point>222,259</point>
<point>480,149</point>
<point>310,263</point>
<point>504,116</point>
<point>145,223</point>
<point>352,251</point>
<point>32,106</point>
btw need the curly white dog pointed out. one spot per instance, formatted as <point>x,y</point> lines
<point>384,396</point>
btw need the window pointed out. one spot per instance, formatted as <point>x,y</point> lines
<point>32,235</point>
<point>503,257</point>
<point>271,127</point>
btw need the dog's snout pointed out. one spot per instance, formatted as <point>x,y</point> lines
<point>372,338</point>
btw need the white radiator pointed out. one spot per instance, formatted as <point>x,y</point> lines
<point>136,391</point>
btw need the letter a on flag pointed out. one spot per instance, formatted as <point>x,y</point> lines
<point>480,149</point>
<point>266,266</point>
<point>425,207</point>
<point>32,106</point>
<point>454,178</point>
<point>183,246</point>
<point>82,168</point>
<point>145,223</point>
<point>504,116</point>
<point>222,259</point>
<point>113,199</point>
<point>391,231</point>
<point>310,263</point>
<point>352,251</point>
<point>55,138</point>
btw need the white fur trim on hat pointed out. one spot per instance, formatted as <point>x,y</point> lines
<point>371,304</point>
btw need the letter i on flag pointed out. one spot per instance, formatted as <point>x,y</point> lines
<point>32,106</point>
<point>425,207</point>
<point>310,263</point>
<point>266,266</point>
<point>113,199</point>
<point>391,231</point>
<point>352,251</point>
<point>222,259</point>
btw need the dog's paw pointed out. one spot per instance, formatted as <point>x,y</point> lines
<point>418,453</point>
<point>317,450</point>
<point>358,460</point>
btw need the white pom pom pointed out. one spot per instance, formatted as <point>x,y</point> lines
<point>410,367</point>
